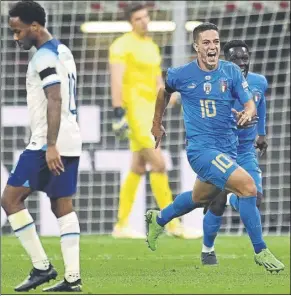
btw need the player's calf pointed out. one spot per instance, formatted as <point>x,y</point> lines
<point>70,237</point>
<point>248,210</point>
<point>211,225</point>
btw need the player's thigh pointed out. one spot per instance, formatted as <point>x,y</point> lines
<point>138,163</point>
<point>155,158</point>
<point>204,192</point>
<point>211,165</point>
<point>65,184</point>
<point>249,162</point>
<point>241,183</point>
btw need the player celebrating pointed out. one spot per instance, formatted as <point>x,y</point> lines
<point>237,52</point>
<point>50,161</point>
<point>135,79</point>
<point>208,88</point>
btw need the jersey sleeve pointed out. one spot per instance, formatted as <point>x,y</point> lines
<point>171,81</point>
<point>240,89</point>
<point>45,64</point>
<point>118,51</point>
<point>262,109</point>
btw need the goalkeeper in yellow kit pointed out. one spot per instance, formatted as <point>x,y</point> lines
<point>135,80</point>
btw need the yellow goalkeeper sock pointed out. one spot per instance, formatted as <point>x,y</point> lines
<point>163,194</point>
<point>161,190</point>
<point>126,198</point>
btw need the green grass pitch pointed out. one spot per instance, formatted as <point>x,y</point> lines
<point>111,266</point>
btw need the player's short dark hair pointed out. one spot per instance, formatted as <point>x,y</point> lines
<point>234,43</point>
<point>132,8</point>
<point>28,12</point>
<point>201,28</point>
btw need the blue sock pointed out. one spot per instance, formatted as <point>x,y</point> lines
<point>181,205</point>
<point>211,225</point>
<point>233,201</point>
<point>251,218</point>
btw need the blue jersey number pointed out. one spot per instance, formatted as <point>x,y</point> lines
<point>222,162</point>
<point>208,108</point>
<point>72,94</point>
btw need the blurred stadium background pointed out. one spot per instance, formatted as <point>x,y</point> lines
<point>265,26</point>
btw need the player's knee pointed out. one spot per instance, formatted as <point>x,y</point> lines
<point>62,206</point>
<point>217,206</point>
<point>200,201</point>
<point>249,188</point>
<point>12,200</point>
<point>139,170</point>
<point>159,167</point>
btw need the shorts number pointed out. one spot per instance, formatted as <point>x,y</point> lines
<point>208,108</point>
<point>222,162</point>
<point>72,94</point>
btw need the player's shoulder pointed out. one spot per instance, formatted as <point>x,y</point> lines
<point>228,66</point>
<point>52,48</point>
<point>180,70</point>
<point>259,78</point>
<point>122,40</point>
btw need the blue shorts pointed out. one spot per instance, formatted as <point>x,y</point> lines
<point>249,162</point>
<point>32,171</point>
<point>212,164</point>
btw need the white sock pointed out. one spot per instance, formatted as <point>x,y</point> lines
<point>70,240</point>
<point>24,228</point>
<point>206,249</point>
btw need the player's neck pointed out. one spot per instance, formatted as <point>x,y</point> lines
<point>204,68</point>
<point>44,37</point>
<point>138,35</point>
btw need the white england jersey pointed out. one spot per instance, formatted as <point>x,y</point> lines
<point>53,55</point>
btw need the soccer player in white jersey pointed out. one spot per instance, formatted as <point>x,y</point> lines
<point>50,161</point>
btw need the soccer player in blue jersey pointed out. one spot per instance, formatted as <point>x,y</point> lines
<point>209,87</point>
<point>237,52</point>
<point>50,161</point>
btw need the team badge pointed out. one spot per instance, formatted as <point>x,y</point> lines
<point>207,77</point>
<point>223,85</point>
<point>207,87</point>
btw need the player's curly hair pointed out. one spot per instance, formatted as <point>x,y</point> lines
<point>132,8</point>
<point>234,43</point>
<point>29,12</point>
<point>201,28</point>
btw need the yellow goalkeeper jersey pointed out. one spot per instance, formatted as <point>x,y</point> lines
<point>142,59</point>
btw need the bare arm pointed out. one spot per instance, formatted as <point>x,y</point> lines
<point>54,109</point>
<point>54,106</point>
<point>174,97</point>
<point>117,72</point>
<point>162,101</point>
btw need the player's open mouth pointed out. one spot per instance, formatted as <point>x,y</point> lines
<point>211,56</point>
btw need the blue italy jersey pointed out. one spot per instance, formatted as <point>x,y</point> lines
<point>207,99</point>
<point>258,85</point>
